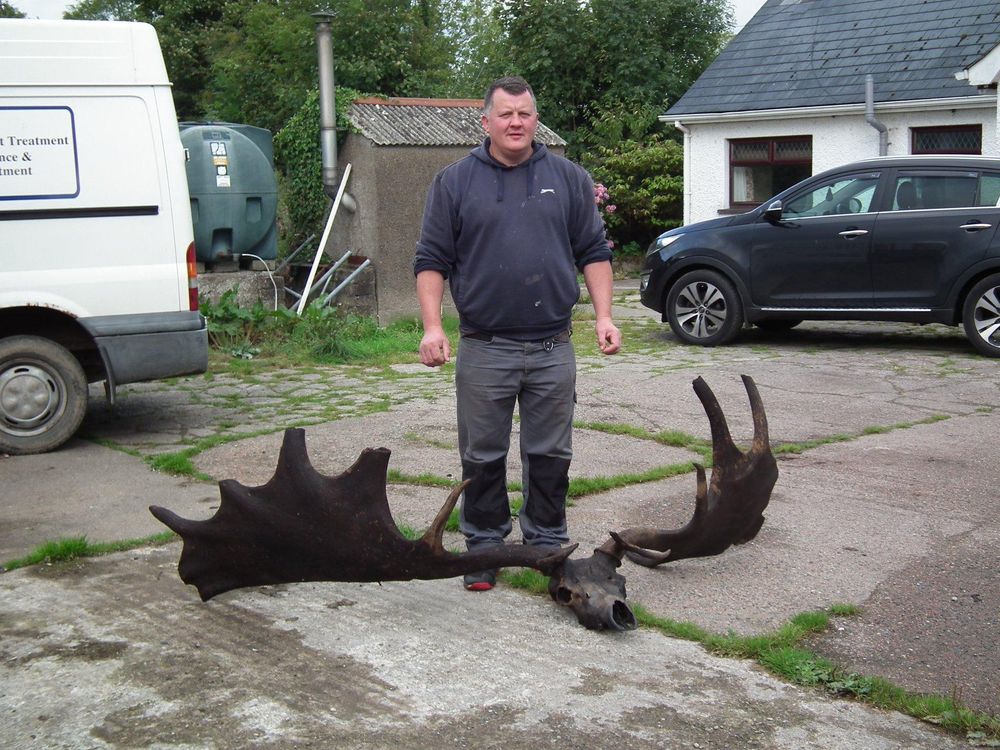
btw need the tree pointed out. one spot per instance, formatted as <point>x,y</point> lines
<point>481,52</point>
<point>104,10</point>
<point>264,55</point>
<point>183,28</point>
<point>9,11</point>
<point>650,52</point>
<point>394,47</point>
<point>552,44</point>
<point>603,70</point>
<point>263,64</point>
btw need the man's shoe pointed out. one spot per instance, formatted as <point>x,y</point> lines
<point>484,580</point>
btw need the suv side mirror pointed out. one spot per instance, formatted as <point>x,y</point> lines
<point>773,212</point>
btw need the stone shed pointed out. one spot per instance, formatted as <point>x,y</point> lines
<point>397,148</point>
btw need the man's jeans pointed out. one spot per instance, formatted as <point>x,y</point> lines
<point>490,376</point>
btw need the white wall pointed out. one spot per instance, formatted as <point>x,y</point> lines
<point>836,140</point>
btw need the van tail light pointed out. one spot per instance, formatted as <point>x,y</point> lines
<point>192,269</point>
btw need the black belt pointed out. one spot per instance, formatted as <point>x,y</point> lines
<point>559,338</point>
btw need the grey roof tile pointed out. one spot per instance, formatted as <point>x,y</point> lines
<point>427,122</point>
<point>800,53</point>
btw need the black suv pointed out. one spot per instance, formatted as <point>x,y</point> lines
<point>903,238</point>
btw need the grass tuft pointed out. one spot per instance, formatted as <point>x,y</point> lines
<point>71,548</point>
<point>526,579</point>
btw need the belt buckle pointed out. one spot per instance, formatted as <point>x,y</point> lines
<point>548,345</point>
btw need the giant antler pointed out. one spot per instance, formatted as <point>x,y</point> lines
<point>730,509</point>
<point>304,526</point>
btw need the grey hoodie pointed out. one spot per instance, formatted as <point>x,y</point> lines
<point>510,240</point>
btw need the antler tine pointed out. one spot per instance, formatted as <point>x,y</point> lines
<point>639,554</point>
<point>433,537</point>
<point>761,440</point>
<point>723,447</point>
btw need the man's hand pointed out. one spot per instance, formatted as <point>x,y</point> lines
<point>609,338</point>
<point>435,349</point>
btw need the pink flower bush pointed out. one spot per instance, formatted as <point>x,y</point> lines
<point>601,194</point>
<point>601,197</point>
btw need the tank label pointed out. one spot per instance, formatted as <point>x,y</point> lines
<point>38,157</point>
<point>220,160</point>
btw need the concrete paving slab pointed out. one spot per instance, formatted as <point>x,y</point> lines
<point>88,490</point>
<point>115,652</point>
<point>911,510</point>
<point>902,523</point>
<point>423,439</point>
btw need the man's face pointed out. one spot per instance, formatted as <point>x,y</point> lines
<point>511,125</point>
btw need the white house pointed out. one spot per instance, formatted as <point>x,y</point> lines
<point>811,84</point>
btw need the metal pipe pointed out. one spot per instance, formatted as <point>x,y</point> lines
<point>883,131</point>
<point>289,258</point>
<point>346,281</point>
<point>322,281</point>
<point>326,236</point>
<point>328,106</point>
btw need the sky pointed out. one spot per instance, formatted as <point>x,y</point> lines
<point>53,9</point>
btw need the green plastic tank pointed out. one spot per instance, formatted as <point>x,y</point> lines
<point>234,192</point>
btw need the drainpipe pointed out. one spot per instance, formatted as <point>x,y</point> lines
<point>883,131</point>
<point>687,168</point>
<point>328,108</point>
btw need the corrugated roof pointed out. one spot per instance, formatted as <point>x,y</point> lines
<point>803,53</point>
<point>427,122</point>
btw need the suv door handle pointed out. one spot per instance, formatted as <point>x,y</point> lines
<point>850,234</point>
<point>975,227</point>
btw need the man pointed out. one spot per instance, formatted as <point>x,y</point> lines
<point>508,226</point>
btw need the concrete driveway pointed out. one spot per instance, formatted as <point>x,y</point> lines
<point>890,505</point>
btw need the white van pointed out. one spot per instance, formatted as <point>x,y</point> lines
<point>97,259</point>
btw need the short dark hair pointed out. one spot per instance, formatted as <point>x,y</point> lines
<point>513,85</point>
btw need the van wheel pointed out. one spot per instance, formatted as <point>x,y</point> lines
<point>704,308</point>
<point>43,395</point>
<point>981,316</point>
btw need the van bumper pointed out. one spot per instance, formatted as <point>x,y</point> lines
<point>150,346</point>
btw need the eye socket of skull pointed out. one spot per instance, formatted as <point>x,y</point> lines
<point>563,595</point>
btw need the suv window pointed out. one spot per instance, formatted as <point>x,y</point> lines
<point>841,195</point>
<point>989,190</point>
<point>942,190</point>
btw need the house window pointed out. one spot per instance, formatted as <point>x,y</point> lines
<point>955,139</point>
<point>762,167</point>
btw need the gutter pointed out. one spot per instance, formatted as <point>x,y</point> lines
<point>687,169</point>
<point>840,110</point>
<point>883,131</point>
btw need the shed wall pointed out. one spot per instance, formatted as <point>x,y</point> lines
<point>390,185</point>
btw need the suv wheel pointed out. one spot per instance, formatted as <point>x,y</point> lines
<point>704,308</point>
<point>981,316</point>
